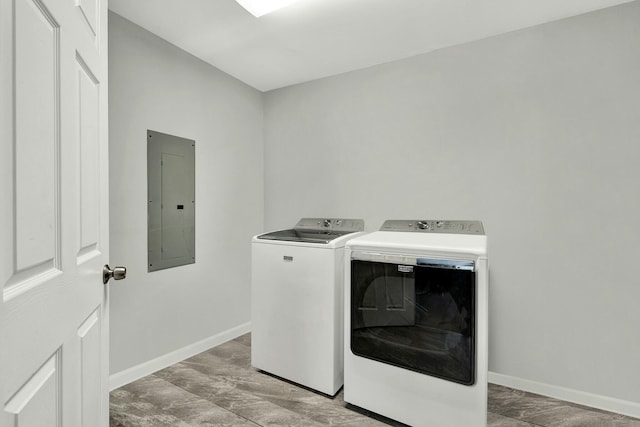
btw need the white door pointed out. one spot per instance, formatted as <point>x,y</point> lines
<point>53,213</point>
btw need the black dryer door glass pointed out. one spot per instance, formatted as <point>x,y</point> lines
<point>415,317</point>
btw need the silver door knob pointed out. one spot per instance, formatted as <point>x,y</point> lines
<point>118,273</point>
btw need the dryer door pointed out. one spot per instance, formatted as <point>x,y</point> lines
<point>415,313</point>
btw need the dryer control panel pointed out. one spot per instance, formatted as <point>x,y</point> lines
<point>434,226</point>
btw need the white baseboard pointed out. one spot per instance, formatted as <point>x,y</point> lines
<point>142,370</point>
<point>619,406</point>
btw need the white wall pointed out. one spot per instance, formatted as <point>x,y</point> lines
<point>154,85</point>
<point>537,134</point>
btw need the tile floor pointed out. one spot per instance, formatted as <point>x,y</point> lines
<point>220,388</point>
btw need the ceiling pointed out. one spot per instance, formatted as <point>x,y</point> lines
<point>318,38</point>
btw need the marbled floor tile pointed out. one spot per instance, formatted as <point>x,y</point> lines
<point>244,339</point>
<point>250,381</point>
<point>220,388</point>
<point>234,352</point>
<point>315,406</point>
<point>225,393</point>
<point>312,405</point>
<point>204,413</point>
<point>622,421</point>
<point>184,405</point>
<point>266,413</point>
<point>495,420</point>
<point>618,418</point>
<point>571,416</point>
<point>127,410</point>
<point>518,404</point>
<point>212,365</point>
<point>550,412</point>
<point>264,399</point>
<point>183,374</point>
<point>158,392</point>
<point>271,388</point>
<point>125,418</point>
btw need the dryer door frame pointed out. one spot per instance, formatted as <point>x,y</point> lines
<point>415,312</point>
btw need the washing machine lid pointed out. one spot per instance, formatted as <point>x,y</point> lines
<point>316,230</point>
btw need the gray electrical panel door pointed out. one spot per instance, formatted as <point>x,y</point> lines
<point>171,200</point>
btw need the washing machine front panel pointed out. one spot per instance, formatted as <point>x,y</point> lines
<point>296,333</point>
<point>297,290</point>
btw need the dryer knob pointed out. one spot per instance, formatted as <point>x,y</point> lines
<point>327,223</point>
<point>423,225</point>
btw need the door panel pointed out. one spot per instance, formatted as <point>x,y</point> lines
<point>36,131</point>
<point>88,119</point>
<point>53,213</point>
<point>89,9</point>
<point>37,403</point>
<point>90,338</point>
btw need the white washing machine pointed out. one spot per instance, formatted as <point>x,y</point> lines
<point>297,288</point>
<point>416,320</point>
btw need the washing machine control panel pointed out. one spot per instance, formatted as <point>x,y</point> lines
<point>434,226</point>
<point>334,224</point>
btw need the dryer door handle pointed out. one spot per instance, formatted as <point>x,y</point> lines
<point>446,264</point>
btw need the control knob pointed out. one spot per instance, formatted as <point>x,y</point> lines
<point>422,225</point>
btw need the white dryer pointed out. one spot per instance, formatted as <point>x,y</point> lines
<point>297,288</point>
<point>416,320</point>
